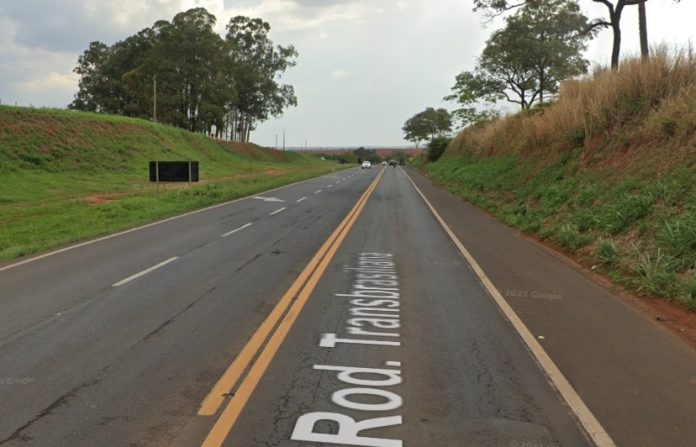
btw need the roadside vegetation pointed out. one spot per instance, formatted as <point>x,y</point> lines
<point>182,73</point>
<point>69,176</point>
<point>361,154</point>
<point>607,172</point>
<point>600,165</point>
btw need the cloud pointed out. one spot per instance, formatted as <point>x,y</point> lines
<point>340,73</point>
<point>70,25</point>
<point>321,3</point>
<point>305,14</point>
<point>51,82</point>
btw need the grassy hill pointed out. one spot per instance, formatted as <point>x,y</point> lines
<point>66,176</point>
<point>607,173</point>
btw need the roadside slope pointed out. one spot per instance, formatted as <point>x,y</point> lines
<point>636,377</point>
<point>68,176</point>
<point>606,173</point>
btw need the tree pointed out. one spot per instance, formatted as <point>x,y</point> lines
<point>614,7</point>
<point>188,62</point>
<point>525,62</point>
<point>362,154</point>
<point>257,66</point>
<point>643,29</point>
<point>204,83</point>
<point>427,124</point>
<point>554,34</point>
<point>467,92</point>
<point>94,84</point>
<point>437,147</point>
<point>400,157</point>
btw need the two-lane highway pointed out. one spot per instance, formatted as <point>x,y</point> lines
<point>335,311</point>
<point>115,341</point>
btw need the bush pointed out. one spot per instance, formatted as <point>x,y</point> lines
<point>678,235</point>
<point>626,210</point>
<point>568,236</point>
<point>688,293</point>
<point>656,273</point>
<point>437,147</point>
<point>606,252</point>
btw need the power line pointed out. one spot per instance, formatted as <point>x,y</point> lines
<point>26,68</point>
<point>36,45</point>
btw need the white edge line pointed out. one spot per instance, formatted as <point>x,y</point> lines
<point>229,233</point>
<point>143,227</point>
<point>302,199</point>
<point>280,210</point>
<point>145,272</point>
<point>587,420</point>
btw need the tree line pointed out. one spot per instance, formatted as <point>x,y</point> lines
<point>182,73</point>
<point>612,20</point>
<point>525,62</point>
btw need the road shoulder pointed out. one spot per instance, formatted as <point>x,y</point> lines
<point>609,350</point>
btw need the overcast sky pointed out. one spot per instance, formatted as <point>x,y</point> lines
<point>365,66</point>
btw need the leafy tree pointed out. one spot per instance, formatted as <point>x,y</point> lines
<point>257,66</point>
<point>554,34</point>
<point>204,83</point>
<point>136,84</point>
<point>94,84</point>
<point>526,61</point>
<point>467,92</point>
<point>188,62</point>
<point>437,147</point>
<point>362,154</point>
<point>427,124</point>
<point>613,21</point>
<point>400,157</point>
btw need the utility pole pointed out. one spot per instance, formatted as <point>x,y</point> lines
<point>154,100</point>
<point>283,139</point>
<point>276,146</point>
<point>305,145</point>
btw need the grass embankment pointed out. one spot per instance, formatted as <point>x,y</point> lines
<point>67,176</point>
<point>607,173</point>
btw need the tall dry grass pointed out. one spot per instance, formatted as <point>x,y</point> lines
<point>643,103</point>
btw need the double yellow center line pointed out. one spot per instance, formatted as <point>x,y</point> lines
<point>272,333</point>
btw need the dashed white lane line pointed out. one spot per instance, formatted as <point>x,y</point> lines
<point>302,199</point>
<point>330,186</point>
<point>237,229</point>
<point>318,191</point>
<point>279,210</point>
<point>145,272</point>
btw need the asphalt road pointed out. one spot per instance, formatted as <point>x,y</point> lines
<point>336,311</point>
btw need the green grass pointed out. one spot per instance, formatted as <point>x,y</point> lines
<point>67,177</point>
<point>639,228</point>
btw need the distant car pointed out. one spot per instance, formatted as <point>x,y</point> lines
<point>392,163</point>
<point>366,165</point>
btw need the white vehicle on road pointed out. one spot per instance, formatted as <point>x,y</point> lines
<point>366,165</point>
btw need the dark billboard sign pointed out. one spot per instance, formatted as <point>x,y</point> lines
<point>173,171</point>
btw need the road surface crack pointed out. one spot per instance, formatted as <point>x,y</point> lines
<point>61,401</point>
<point>246,264</point>
<point>174,317</point>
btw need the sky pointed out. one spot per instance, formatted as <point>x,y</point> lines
<point>364,66</point>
